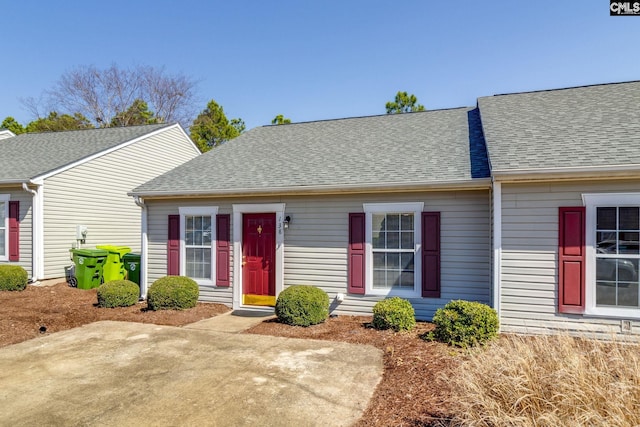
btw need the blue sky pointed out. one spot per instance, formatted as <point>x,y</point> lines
<point>314,60</point>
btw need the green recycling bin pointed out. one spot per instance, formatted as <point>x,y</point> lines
<point>89,264</point>
<point>114,266</point>
<point>132,266</point>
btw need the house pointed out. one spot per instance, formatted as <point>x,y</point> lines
<point>362,208</point>
<point>566,208</point>
<point>529,202</point>
<point>55,185</point>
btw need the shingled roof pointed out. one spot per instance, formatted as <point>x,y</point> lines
<point>32,155</point>
<point>566,129</point>
<point>423,148</point>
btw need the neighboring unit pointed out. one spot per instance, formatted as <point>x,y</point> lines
<point>55,186</point>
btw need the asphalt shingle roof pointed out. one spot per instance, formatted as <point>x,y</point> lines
<point>424,147</point>
<point>565,128</point>
<point>30,155</point>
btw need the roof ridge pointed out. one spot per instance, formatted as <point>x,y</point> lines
<point>563,88</point>
<point>94,129</point>
<point>364,117</point>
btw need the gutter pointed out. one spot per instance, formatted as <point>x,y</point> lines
<point>476,184</point>
<point>566,173</point>
<point>37,234</point>
<point>144,245</point>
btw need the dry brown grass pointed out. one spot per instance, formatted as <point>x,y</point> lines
<point>549,381</point>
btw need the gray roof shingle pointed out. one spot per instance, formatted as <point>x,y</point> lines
<point>425,147</point>
<point>565,128</point>
<point>31,155</point>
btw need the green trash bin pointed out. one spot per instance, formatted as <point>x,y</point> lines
<point>132,266</point>
<point>114,266</point>
<point>89,264</point>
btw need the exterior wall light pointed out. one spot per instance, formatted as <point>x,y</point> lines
<point>286,222</point>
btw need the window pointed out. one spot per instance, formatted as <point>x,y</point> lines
<point>4,227</point>
<point>197,243</point>
<point>393,248</point>
<point>613,254</point>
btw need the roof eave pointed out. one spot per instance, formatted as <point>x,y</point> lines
<point>567,173</point>
<point>472,184</point>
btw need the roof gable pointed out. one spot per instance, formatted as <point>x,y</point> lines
<point>32,155</point>
<point>402,149</point>
<point>564,129</point>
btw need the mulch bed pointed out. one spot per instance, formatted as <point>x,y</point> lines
<point>413,390</point>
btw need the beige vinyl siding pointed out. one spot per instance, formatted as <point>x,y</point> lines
<point>26,241</point>
<point>529,279</point>
<point>317,240</point>
<point>94,194</point>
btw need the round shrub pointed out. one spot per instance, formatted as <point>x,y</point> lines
<point>118,293</point>
<point>301,305</point>
<point>172,293</point>
<point>394,313</point>
<point>13,278</point>
<point>465,324</point>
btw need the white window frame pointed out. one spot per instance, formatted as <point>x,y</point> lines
<point>198,211</point>
<point>412,207</point>
<point>591,203</point>
<point>4,198</point>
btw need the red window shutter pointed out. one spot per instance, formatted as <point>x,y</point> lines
<point>173,246</point>
<point>356,253</point>
<point>431,254</point>
<point>14,230</point>
<point>223,249</point>
<point>571,260</point>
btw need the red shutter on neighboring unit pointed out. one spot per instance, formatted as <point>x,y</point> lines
<point>431,254</point>
<point>14,230</point>
<point>223,249</point>
<point>173,246</point>
<point>571,260</point>
<point>356,253</point>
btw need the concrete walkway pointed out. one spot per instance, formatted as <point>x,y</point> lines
<point>207,373</point>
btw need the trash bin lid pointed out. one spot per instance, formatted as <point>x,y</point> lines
<point>92,253</point>
<point>131,257</point>
<point>120,250</point>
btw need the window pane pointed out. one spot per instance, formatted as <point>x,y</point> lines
<point>406,222</point>
<point>393,222</point>
<point>407,262</point>
<point>606,218</point>
<point>378,240</point>
<point>379,260</point>
<point>188,237</point>
<point>379,279</point>
<point>407,240</point>
<point>3,251</point>
<point>628,243</point>
<point>629,218</point>
<point>378,222</point>
<point>628,294</point>
<point>206,230</point>
<point>393,278</point>
<point>198,263</point>
<point>2,217</point>
<point>393,240</point>
<point>393,261</point>
<point>606,242</point>
<point>406,279</point>
<point>617,282</point>
<point>627,270</point>
<point>605,293</point>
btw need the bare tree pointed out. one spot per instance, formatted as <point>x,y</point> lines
<point>102,94</point>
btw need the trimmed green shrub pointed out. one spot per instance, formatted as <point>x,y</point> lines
<point>464,324</point>
<point>172,293</point>
<point>394,313</point>
<point>13,278</point>
<point>301,305</point>
<point>118,293</point>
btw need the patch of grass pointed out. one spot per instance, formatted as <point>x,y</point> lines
<point>549,381</point>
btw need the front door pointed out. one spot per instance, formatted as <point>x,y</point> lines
<point>258,259</point>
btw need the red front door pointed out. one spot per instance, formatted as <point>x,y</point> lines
<point>258,259</point>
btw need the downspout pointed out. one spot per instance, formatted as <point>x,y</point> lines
<point>36,235</point>
<point>144,244</point>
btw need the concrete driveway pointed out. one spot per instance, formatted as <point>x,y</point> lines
<point>131,374</point>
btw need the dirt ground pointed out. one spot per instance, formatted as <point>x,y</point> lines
<point>413,391</point>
